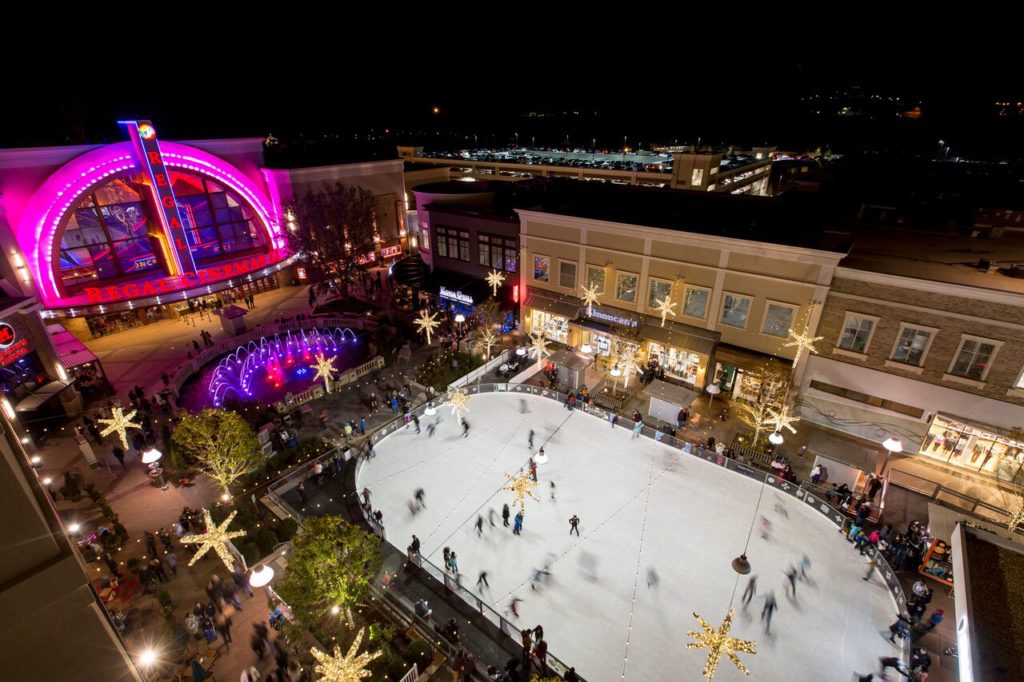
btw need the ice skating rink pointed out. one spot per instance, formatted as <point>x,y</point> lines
<point>647,511</point>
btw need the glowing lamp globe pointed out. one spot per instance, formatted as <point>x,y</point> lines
<point>775,438</point>
<point>460,318</point>
<point>520,351</point>
<point>893,444</point>
<point>147,658</point>
<point>151,456</point>
<point>713,389</point>
<point>616,372</point>
<point>586,348</point>
<point>147,132</point>
<point>261,576</point>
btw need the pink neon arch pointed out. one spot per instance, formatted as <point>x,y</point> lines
<point>43,214</point>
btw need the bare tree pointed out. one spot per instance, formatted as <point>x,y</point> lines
<point>335,225</point>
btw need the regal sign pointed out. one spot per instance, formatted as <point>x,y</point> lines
<point>7,335</point>
<point>14,351</point>
<point>169,285</point>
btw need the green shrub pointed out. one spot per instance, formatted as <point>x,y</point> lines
<point>419,653</point>
<point>251,552</point>
<point>70,488</point>
<point>218,513</point>
<point>164,597</point>
<point>287,529</point>
<point>134,565</point>
<point>267,540</point>
<point>121,532</point>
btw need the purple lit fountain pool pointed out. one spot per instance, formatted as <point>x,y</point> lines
<point>264,371</point>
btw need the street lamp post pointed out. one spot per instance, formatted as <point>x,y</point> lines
<point>892,445</point>
<point>713,390</point>
<point>150,458</point>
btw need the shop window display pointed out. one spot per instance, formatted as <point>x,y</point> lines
<point>677,363</point>
<point>973,448</point>
<point>553,327</point>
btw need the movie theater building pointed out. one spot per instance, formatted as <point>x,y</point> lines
<point>136,231</point>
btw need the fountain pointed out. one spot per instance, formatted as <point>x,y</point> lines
<point>270,366</point>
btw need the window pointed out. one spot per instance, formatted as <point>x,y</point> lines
<point>974,358</point>
<point>425,239</point>
<point>912,345</point>
<point>452,243</point>
<point>856,333</point>
<point>697,177</point>
<point>778,319</point>
<point>567,274</point>
<point>868,399</point>
<point>696,303</point>
<point>625,287</point>
<point>735,309</point>
<point>541,268</point>
<point>595,278</point>
<point>498,252</point>
<point>658,290</point>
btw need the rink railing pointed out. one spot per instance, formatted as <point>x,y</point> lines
<point>816,502</point>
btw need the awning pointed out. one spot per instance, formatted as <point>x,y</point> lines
<point>40,396</point>
<point>70,350</point>
<point>563,306</point>
<point>747,359</point>
<point>571,359</point>
<point>608,330</point>
<point>861,422</point>
<point>679,336</point>
<point>670,393</point>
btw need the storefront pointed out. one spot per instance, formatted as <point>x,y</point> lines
<point>683,352</point>
<point>550,314</point>
<point>742,374</point>
<point>981,449</point>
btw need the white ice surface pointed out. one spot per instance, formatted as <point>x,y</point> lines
<point>642,505</point>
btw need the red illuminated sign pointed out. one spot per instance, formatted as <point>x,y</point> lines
<point>7,335</point>
<point>301,272</point>
<point>11,353</point>
<point>169,285</point>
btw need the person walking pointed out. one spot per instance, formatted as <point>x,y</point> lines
<point>453,563</point>
<point>223,624</point>
<point>447,554</point>
<point>302,492</point>
<point>527,639</point>
<point>362,425</point>
<point>172,563</point>
<point>118,455</point>
<point>517,528</point>
<point>574,525</point>
<point>766,613</point>
<point>748,594</point>
<point>504,515</point>
<point>482,578</point>
<point>933,620</point>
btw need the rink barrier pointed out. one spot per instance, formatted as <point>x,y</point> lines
<point>829,512</point>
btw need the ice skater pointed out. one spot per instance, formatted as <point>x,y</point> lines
<point>574,525</point>
<point>552,491</point>
<point>517,528</point>
<point>419,495</point>
<point>748,594</point>
<point>416,421</point>
<point>766,613</point>
<point>490,516</point>
<point>430,429</point>
<point>780,509</point>
<point>533,470</point>
<point>504,516</point>
<point>479,526</point>
<point>652,577</point>
<point>791,575</point>
<point>538,577</point>
<point>482,578</point>
<point>530,440</point>
<point>805,566</point>
<point>637,428</point>
<point>766,528</point>
<point>523,407</point>
<point>453,564</point>
<point>612,418</point>
<point>513,606</point>
<point>465,429</point>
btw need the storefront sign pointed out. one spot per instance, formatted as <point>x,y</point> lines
<point>456,296</point>
<point>169,285</point>
<point>604,316</point>
<point>143,136</point>
<point>7,335</point>
<point>391,251</point>
<point>301,272</point>
<point>12,352</point>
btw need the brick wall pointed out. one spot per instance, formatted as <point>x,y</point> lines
<point>894,306</point>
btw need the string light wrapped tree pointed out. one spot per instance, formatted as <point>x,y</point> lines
<point>325,370</point>
<point>427,323</point>
<point>215,538</point>
<point>782,419</point>
<point>119,422</point>
<point>719,643</point>
<point>486,340</point>
<point>350,667</point>
<point>222,441</point>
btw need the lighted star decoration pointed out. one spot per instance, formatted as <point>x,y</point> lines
<point>459,401</point>
<point>802,342</point>
<point>521,485</point>
<point>1016,519</point>
<point>325,370</point>
<point>665,307</point>
<point>540,346</point>
<point>717,643</point>
<point>427,323</point>
<point>495,278</point>
<point>589,295</point>
<point>120,423</point>
<point>215,538</point>
<point>782,419</point>
<point>348,668</point>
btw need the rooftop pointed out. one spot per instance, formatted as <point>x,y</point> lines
<point>790,220</point>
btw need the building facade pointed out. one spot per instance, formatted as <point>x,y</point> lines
<point>731,302</point>
<point>937,364</point>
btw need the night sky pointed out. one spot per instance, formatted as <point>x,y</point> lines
<point>780,90</point>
